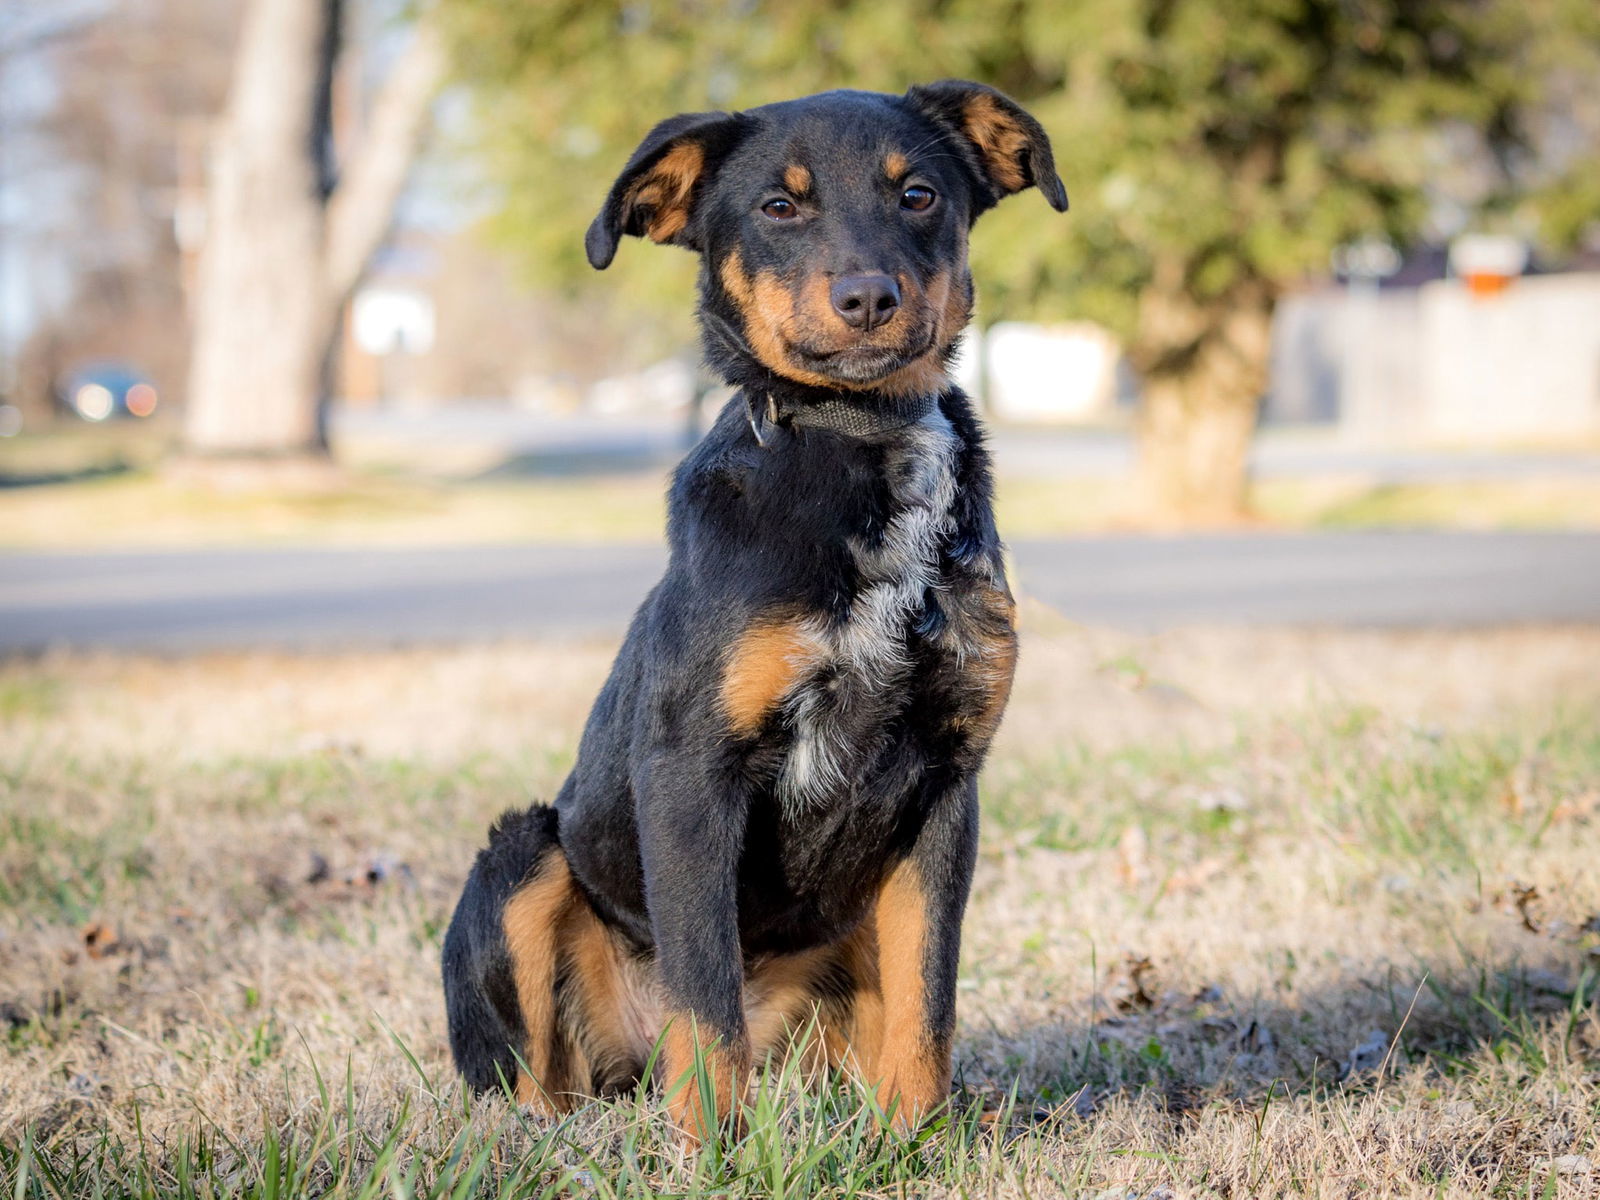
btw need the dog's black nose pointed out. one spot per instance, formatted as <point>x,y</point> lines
<point>865,301</point>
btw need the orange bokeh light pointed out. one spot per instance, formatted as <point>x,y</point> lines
<point>1483,283</point>
<point>141,400</point>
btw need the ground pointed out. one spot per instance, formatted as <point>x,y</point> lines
<point>89,487</point>
<point>1256,914</point>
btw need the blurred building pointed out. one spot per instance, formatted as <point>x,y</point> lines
<point>1057,374</point>
<point>1446,361</point>
<point>1425,359</point>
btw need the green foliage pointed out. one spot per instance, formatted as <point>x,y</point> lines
<point>1238,143</point>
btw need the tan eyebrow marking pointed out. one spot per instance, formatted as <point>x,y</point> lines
<point>797,179</point>
<point>896,164</point>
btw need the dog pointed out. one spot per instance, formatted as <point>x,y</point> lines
<point>772,821</point>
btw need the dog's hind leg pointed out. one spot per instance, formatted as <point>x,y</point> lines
<point>608,1002</point>
<point>502,957</point>
<point>787,1005</point>
<point>852,1017</point>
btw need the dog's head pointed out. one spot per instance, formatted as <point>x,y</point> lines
<point>833,229</point>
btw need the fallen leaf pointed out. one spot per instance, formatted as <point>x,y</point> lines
<point>99,939</point>
<point>1132,855</point>
<point>1134,988</point>
<point>1525,898</point>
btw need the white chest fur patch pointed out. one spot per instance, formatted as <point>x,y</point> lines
<point>838,719</point>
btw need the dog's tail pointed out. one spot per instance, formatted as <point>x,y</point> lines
<point>487,1032</point>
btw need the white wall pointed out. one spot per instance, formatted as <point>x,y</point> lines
<point>1049,373</point>
<point>1521,365</point>
<point>1437,364</point>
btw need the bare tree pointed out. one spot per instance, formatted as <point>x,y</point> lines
<point>98,99</point>
<point>291,225</point>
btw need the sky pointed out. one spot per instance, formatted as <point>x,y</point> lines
<point>28,183</point>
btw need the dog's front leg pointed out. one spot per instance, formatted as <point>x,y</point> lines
<point>918,917</point>
<point>692,834</point>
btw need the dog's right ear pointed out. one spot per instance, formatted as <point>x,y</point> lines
<point>656,194</point>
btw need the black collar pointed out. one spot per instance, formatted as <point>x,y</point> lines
<point>839,413</point>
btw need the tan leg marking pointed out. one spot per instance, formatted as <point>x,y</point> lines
<point>727,1068</point>
<point>613,1012</point>
<point>531,921</point>
<point>854,1033</point>
<point>990,636</point>
<point>599,1025</point>
<point>781,1000</point>
<point>997,662</point>
<point>912,1070</point>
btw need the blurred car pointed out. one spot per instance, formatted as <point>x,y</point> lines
<point>107,390</point>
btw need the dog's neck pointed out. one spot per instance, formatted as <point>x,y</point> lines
<point>855,414</point>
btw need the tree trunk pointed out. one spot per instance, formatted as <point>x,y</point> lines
<point>1204,368</point>
<point>260,322</point>
<point>282,250</point>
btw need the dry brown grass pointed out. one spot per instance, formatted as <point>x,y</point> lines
<point>187,506</point>
<point>140,511</point>
<point>1257,914</point>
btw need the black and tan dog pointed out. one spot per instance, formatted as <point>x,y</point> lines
<point>774,815</point>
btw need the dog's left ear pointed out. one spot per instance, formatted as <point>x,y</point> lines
<point>1012,149</point>
<point>656,194</point>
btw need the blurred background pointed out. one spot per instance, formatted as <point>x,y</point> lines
<point>330,475</point>
<point>298,346</point>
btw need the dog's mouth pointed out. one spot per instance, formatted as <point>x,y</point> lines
<point>861,363</point>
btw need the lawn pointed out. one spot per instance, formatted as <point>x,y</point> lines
<point>98,487</point>
<point>1257,914</point>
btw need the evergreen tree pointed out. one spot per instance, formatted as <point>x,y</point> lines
<point>1217,151</point>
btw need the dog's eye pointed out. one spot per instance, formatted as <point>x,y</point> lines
<point>916,198</point>
<point>780,209</point>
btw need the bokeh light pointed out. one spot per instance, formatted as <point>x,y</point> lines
<point>141,400</point>
<point>93,401</point>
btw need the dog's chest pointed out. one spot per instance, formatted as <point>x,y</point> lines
<point>870,663</point>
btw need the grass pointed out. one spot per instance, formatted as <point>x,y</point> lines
<point>1034,507</point>
<point>1256,914</point>
<point>143,509</point>
<point>96,486</point>
<point>66,450</point>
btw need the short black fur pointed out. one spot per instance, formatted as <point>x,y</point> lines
<point>833,544</point>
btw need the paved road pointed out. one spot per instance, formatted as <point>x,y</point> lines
<point>325,597</point>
